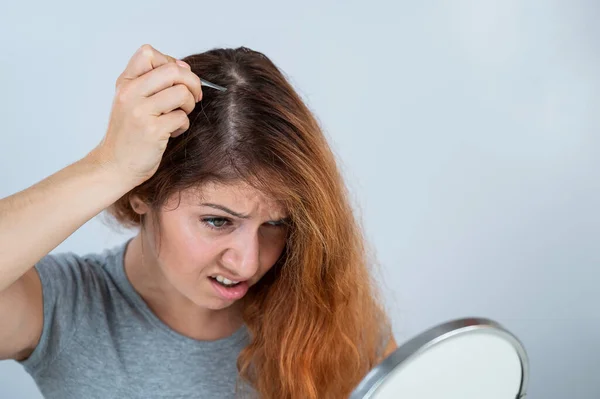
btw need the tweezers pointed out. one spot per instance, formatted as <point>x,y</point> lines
<point>210,84</point>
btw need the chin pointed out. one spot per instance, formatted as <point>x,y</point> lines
<point>223,305</point>
<point>218,304</point>
<point>212,302</point>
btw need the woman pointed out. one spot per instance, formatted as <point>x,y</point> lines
<point>249,275</point>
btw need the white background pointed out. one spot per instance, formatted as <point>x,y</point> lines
<point>467,130</point>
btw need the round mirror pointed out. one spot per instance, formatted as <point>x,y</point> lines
<point>470,358</point>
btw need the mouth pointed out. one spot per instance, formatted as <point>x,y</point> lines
<point>224,281</point>
<point>231,291</point>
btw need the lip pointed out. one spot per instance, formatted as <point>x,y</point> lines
<point>233,293</point>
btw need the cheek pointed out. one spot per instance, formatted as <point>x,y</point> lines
<point>271,251</point>
<point>184,250</point>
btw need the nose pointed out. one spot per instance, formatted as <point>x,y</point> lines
<point>242,256</point>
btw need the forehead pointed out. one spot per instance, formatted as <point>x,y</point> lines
<point>239,196</point>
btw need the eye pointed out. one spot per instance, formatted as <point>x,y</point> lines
<point>276,224</point>
<point>215,223</point>
<point>283,223</point>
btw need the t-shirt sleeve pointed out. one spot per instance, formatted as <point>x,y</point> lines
<point>63,278</point>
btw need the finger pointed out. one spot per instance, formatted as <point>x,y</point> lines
<point>145,59</point>
<point>175,122</point>
<point>165,76</point>
<point>169,99</point>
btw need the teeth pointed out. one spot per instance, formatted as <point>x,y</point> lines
<point>225,281</point>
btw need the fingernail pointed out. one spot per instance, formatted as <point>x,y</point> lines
<point>184,64</point>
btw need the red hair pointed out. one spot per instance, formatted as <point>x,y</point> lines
<point>316,319</point>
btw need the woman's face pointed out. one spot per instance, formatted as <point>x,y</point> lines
<point>232,231</point>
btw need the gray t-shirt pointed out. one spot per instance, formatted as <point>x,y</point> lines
<point>101,340</point>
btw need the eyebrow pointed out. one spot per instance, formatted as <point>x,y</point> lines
<point>225,209</point>
<point>236,214</point>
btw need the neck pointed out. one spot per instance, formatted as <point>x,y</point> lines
<point>169,305</point>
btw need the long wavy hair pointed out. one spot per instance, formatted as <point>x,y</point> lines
<point>316,320</point>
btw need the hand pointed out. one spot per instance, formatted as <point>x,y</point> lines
<point>154,96</point>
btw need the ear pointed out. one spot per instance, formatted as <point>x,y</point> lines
<point>138,206</point>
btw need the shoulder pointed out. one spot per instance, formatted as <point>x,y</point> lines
<point>74,283</point>
<point>68,271</point>
<point>74,288</point>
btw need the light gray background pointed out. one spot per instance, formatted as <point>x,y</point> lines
<point>468,132</point>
